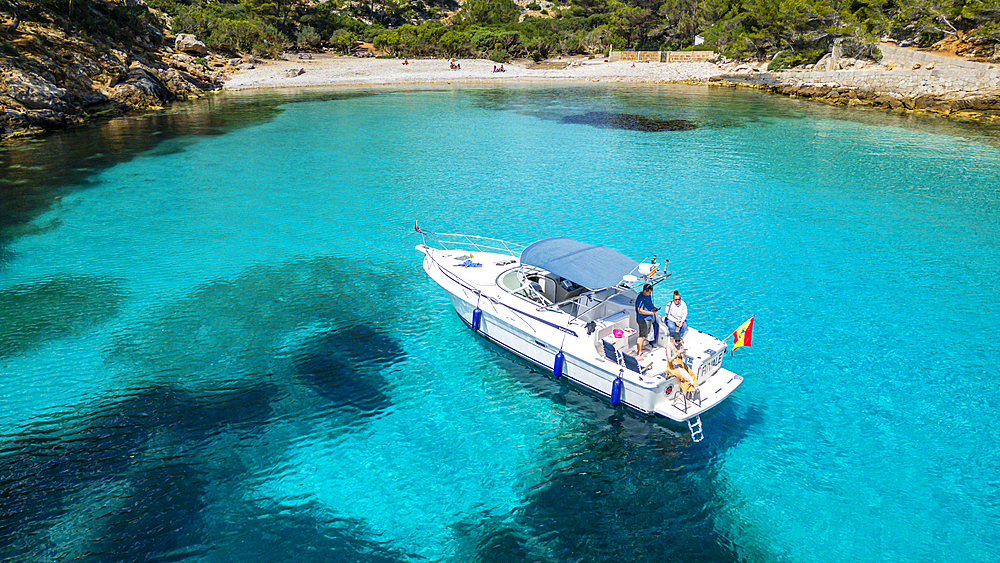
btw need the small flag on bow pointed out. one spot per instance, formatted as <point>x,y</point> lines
<point>741,336</point>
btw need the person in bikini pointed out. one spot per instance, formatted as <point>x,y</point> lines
<point>677,366</point>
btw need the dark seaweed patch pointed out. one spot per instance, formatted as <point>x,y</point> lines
<point>343,366</point>
<point>48,465</point>
<point>628,488</point>
<point>629,122</point>
<point>613,500</point>
<point>301,534</point>
<point>159,512</point>
<point>42,311</point>
<point>136,480</point>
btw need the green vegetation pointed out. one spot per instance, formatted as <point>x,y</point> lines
<point>133,23</point>
<point>798,31</point>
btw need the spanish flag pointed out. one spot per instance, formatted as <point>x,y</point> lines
<point>741,336</point>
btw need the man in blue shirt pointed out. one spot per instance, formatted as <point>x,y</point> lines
<point>644,311</point>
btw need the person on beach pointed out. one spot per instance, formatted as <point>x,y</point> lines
<point>495,68</point>
<point>406,61</point>
<point>677,314</point>
<point>502,69</point>
<point>644,311</point>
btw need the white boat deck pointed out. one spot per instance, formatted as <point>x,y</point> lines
<point>517,313</point>
<point>478,268</point>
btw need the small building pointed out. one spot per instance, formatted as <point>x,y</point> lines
<point>699,40</point>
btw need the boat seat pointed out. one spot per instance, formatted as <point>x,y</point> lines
<point>537,288</point>
<point>631,363</point>
<point>610,352</point>
<point>613,317</point>
<point>626,361</point>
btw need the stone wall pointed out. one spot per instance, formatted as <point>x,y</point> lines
<point>905,82</point>
<point>906,58</point>
<point>688,56</point>
<point>668,56</point>
<point>644,56</point>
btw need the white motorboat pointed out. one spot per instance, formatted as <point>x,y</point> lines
<point>569,307</point>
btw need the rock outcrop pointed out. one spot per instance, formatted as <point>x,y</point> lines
<point>979,105</point>
<point>187,43</point>
<point>57,80</point>
<point>913,80</point>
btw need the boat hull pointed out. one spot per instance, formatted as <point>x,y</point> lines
<point>536,334</point>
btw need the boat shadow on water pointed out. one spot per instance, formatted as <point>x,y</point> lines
<point>626,485</point>
<point>736,421</point>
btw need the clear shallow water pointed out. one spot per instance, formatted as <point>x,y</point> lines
<point>217,340</point>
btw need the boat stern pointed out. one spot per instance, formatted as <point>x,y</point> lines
<point>681,407</point>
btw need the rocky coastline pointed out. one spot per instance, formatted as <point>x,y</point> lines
<point>906,80</point>
<point>57,81</point>
<point>50,80</point>
<point>956,104</point>
<point>977,106</point>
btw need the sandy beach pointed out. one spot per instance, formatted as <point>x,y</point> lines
<point>332,70</point>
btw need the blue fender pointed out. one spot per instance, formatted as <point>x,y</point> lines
<point>557,368</point>
<point>616,391</point>
<point>477,318</point>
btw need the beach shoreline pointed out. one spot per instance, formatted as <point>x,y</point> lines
<point>949,92</point>
<point>296,71</point>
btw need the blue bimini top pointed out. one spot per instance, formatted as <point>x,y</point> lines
<point>592,266</point>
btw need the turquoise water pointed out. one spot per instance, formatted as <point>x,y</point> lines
<point>218,343</point>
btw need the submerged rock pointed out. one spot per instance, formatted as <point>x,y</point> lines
<point>630,122</point>
<point>343,366</point>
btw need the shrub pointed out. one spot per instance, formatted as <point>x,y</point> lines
<point>343,40</point>
<point>786,59</point>
<point>490,12</point>
<point>534,6</point>
<point>455,43</point>
<point>499,56</point>
<point>928,38</point>
<point>490,39</point>
<point>307,38</point>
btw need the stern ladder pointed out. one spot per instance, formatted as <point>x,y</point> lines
<point>695,426</point>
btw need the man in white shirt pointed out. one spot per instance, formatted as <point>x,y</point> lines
<point>677,314</point>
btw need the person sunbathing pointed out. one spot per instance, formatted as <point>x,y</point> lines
<point>677,366</point>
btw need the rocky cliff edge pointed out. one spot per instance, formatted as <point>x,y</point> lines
<point>50,79</point>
